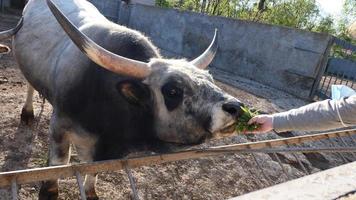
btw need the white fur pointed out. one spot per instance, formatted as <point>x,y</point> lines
<point>85,145</point>
<point>53,156</point>
<point>220,119</point>
<point>29,99</point>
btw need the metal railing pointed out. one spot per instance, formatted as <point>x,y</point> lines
<point>340,69</point>
<point>285,145</point>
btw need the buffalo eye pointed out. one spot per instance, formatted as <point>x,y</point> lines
<point>173,95</point>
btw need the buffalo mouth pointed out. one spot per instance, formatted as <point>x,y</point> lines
<point>228,129</point>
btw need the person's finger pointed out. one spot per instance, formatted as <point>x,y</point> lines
<point>261,129</point>
<point>252,120</point>
<point>257,131</point>
<point>254,131</point>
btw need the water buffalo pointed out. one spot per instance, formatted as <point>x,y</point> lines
<point>110,89</point>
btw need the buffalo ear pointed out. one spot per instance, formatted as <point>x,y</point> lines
<point>4,49</point>
<point>134,92</point>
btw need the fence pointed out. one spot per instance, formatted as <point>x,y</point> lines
<point>340,69</point>
<point>269,146</point>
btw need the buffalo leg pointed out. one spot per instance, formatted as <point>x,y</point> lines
<point>59,154</point>
<point>85,146</point>
<point>27,115</point>
<point>89,185</point>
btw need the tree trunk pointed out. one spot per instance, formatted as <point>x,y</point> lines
<point>197,2</point>
<point>181,3</point>
<point>203,6</point>
<point>216,7</point>
<point>207,10</point>
<point>261,5</point>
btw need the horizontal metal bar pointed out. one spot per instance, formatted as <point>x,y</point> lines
<point>294,150</point>
<point>344,44</point>
<point>55,172</point>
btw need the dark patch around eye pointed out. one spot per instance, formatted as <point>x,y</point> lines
<point>173,95</point>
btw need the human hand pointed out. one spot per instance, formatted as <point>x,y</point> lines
<point>265,122</point>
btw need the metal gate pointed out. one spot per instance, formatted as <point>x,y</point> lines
<point>340,69</point>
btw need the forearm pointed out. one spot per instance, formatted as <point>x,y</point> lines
<point>323,115</point>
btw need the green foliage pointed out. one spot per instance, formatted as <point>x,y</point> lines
<point>326,25</point>
<point>302,14</point>
<point>349,10</point>
<point>348,17</point>
<point>242,122</point>
<point>165,3</point>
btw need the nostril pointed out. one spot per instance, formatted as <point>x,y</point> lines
<point>233,108</point>
<point>229,109</point>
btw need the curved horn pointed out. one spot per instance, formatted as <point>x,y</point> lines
<point>205,59</point>
<point>99,55</point>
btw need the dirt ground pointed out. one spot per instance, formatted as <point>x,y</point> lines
<point>221,177</point>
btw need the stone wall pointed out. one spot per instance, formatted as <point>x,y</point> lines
<point>284,58</point>
<point>5,3</point>
<point>110,8</point>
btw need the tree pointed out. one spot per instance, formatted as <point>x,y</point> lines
<point>325,25</point>
<point>164,3</point>
<point>302,14</point>
<point>348,17</point>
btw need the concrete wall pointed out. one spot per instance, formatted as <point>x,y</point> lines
<point>335,183</point>
<point>5,3</point>
<point>284,58</point>
<point>110,8</point>
<point>16,4</point>
<point>143,2</point>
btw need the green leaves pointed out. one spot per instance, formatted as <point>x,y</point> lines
<point>242,122</point>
